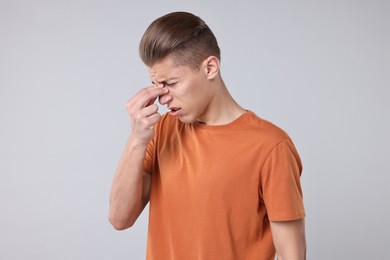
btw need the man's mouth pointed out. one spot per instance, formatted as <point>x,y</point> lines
<point>174,111</point>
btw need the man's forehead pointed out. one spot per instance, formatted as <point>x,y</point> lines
<point>160,73</point>
<point>164,74</point>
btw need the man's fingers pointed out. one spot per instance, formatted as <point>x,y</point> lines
<point>146,97</point>
<point>154,118</point>
<point>147,123</point>
<point>143,112</point>
<point>144,115</point>
<point>151,102</point>
<point>160,85</point>
<point>148,111</point>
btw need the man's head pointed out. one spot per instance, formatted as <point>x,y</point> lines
<point>183,36</point>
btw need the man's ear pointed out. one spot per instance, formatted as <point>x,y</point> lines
<point>211,67</point>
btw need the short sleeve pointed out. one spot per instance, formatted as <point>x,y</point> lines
<point>280,184</point>
<point>149,155</point>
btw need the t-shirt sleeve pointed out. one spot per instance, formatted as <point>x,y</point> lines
<point>280,183</point>
<point>149,155</point>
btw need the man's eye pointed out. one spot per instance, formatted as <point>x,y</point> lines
<point>170,84</point>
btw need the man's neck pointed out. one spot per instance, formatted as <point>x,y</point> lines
<point>222,109</point>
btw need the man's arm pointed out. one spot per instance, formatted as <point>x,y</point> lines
<point>289,239</point>
<point>131,186</point>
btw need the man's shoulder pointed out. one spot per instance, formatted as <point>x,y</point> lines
<point>264,129</point>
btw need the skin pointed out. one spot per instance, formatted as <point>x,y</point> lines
<point>195,96</point>
<point>200,95</point>
<point>289,239</point>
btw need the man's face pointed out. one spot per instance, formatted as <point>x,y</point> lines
<point>190,93</point>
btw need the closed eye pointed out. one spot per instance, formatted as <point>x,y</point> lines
<point>170,84</point>
<point>165,83</point>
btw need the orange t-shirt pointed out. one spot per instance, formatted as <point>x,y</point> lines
<point>215,189</point>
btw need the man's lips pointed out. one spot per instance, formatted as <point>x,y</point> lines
<point>174,111</point>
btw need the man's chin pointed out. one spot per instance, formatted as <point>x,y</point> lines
<point>186,119</point>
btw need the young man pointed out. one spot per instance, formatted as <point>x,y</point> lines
<point>222,182</point>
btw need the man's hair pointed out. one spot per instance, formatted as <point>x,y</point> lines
<point>184,36</point>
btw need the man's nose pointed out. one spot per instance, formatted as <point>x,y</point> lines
<point>164,99</point>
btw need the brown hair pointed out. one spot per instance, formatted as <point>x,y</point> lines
<point>183,35</point>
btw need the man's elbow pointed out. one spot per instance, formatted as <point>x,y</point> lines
<point>119,222</point>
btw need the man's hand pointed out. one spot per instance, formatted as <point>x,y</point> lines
<point>131,187</point>
<point>143,112</point>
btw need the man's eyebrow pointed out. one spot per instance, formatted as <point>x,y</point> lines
<point>165,81</point>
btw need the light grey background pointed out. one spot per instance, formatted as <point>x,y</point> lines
<point>318,69</point>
